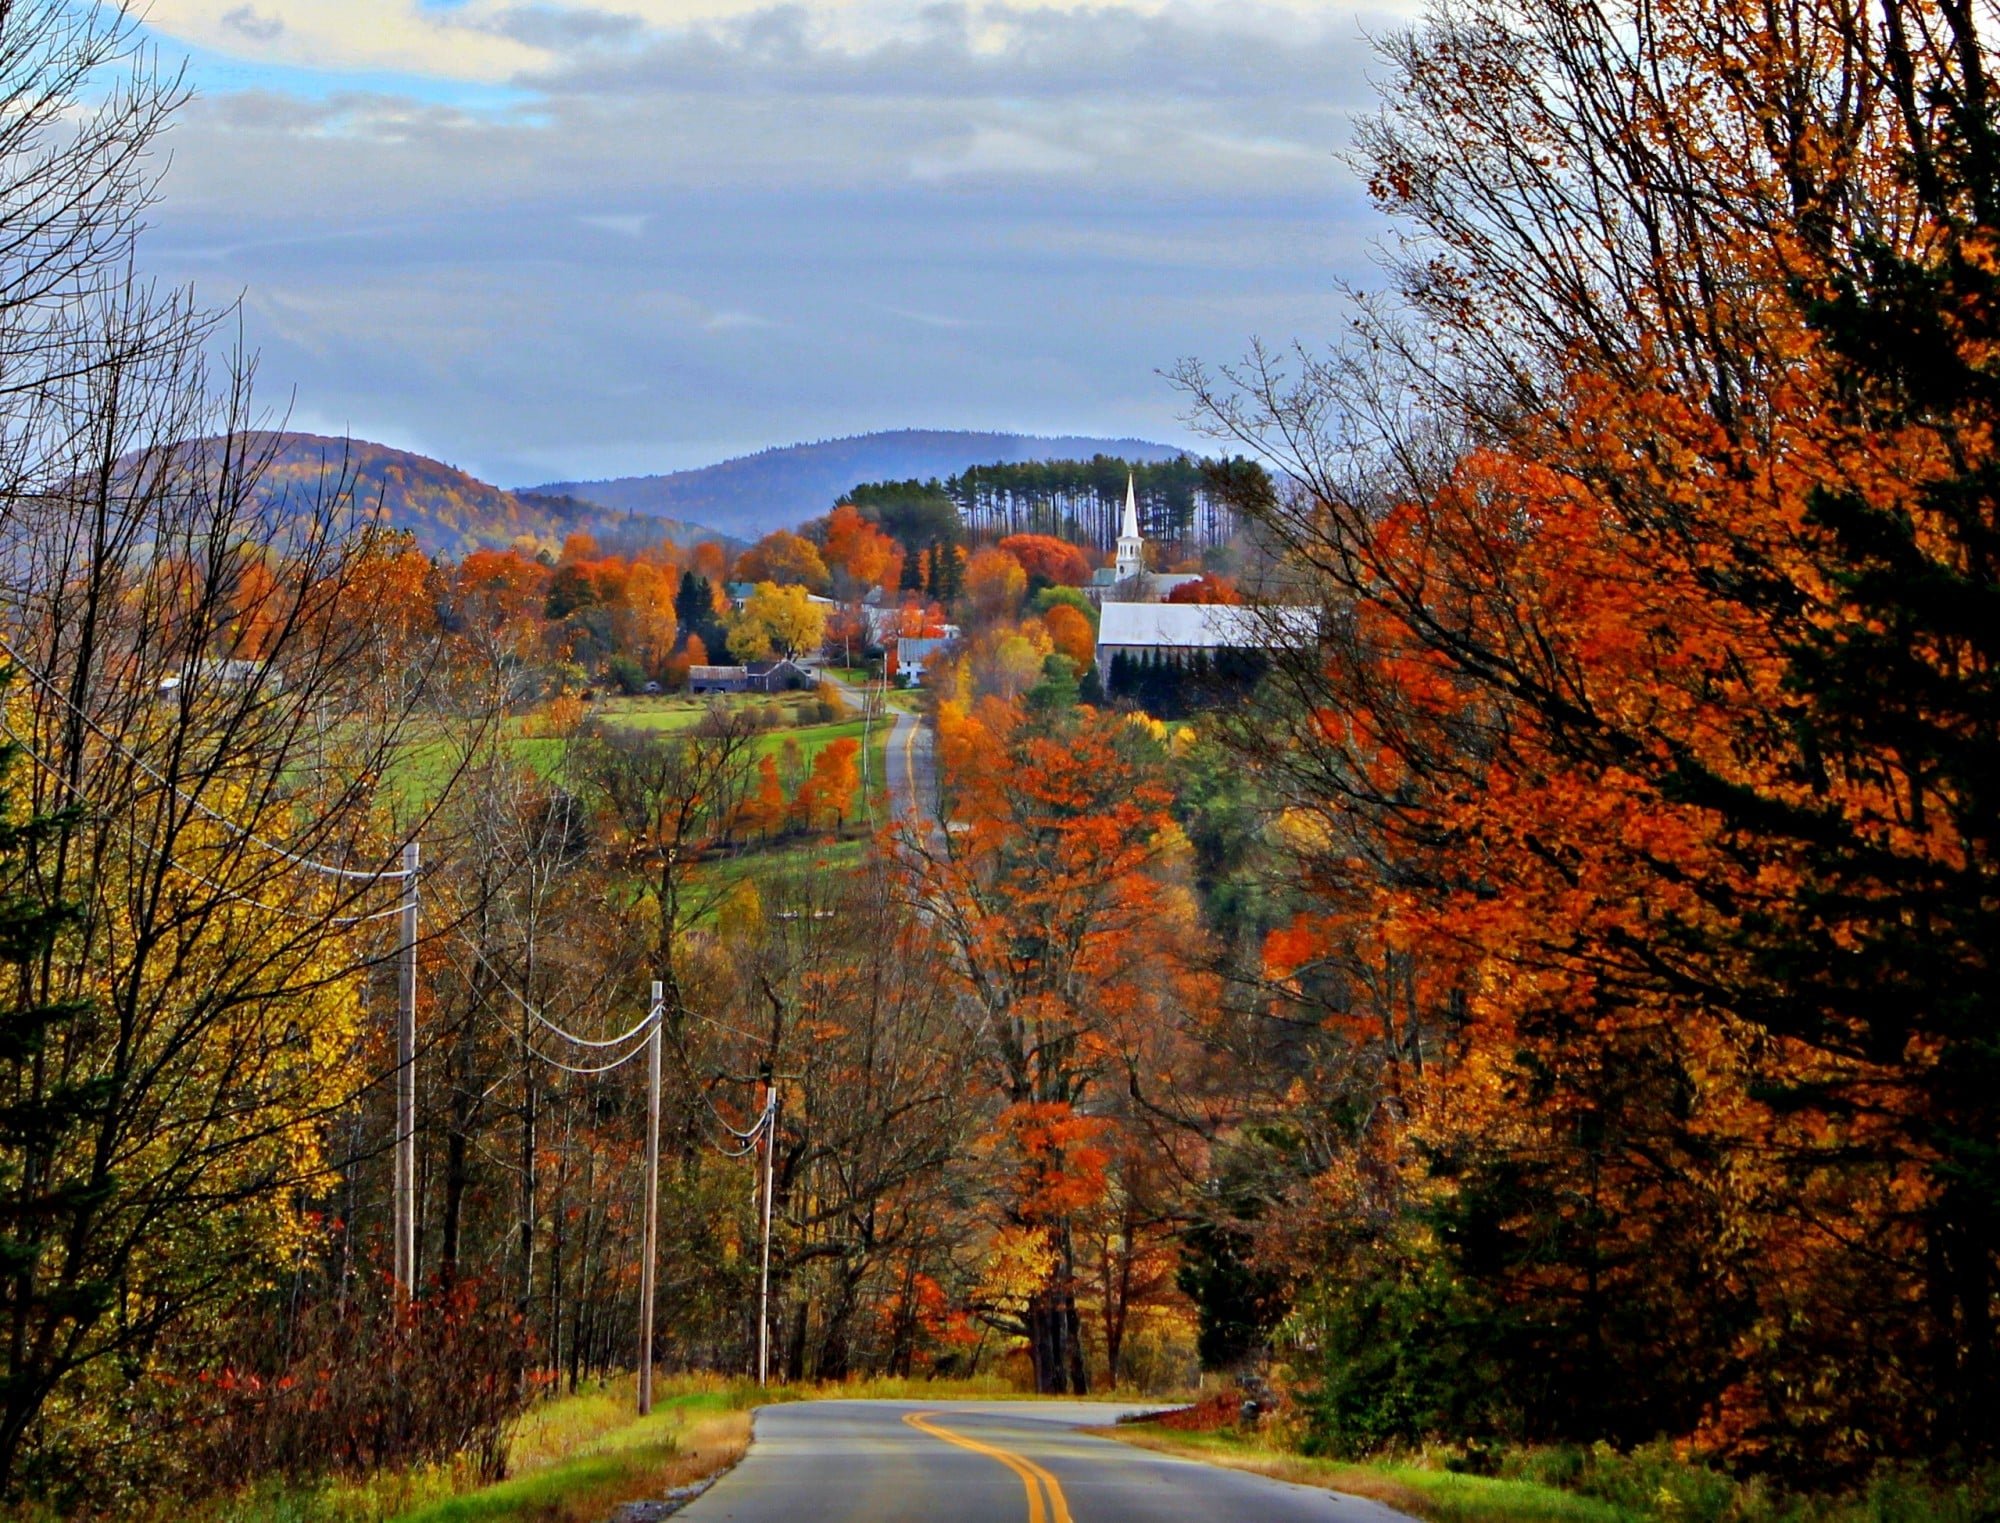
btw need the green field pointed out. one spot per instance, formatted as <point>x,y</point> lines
<point>426,767</point>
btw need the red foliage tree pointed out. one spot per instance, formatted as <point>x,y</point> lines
<point>1053,560</point>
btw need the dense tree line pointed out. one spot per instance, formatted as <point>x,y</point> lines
<point>1183,502</point>
<point>1640,796</point>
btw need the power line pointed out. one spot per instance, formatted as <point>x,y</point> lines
<point>644,1028</point>
<point>192,801</point>
<point>166,858</point>
<point>604,1068</point>
<point>757,1130</point>
<point>562,1031</point>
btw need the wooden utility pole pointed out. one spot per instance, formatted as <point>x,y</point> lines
<point>770,1128</point>
<point>652,1204</point>
<point>406,1083</point>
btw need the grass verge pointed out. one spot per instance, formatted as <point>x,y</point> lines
<point>1650,1484</point>
<point>572,1459</point>
<point>647,1459</point>
<point>1437,1496</point>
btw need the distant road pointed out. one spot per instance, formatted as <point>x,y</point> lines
<point>910,768</point>
<point>989,1462</point>
<point>909,771</point>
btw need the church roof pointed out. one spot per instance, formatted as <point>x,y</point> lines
<point>1204,626</point>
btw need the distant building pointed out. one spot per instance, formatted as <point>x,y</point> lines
<point>219,672</point>
<point>781,676</point>
<point>1175,634</point>
<point>912,657</point>
<point>717,679</point>
<point>1126,579</point>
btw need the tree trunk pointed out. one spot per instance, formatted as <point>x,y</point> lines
<point>524,1296</point>
<point>455,1181</point>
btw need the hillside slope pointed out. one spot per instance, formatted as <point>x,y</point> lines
<point>449,511</point>
<point>779,488</point>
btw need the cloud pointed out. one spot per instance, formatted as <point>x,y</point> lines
<point>1002,152</point>
<point>630,225</point>
<point>249,22</point>
<point>567,29</point>
<point>463,43</point>
<point>676,231</point>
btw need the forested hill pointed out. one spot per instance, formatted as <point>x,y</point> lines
<point>777,488</point>
<point>447,510</point>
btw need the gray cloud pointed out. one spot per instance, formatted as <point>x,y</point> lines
<point>567,30</point>
<point>245,21</point>
<point>675,247</point>
<point>1082,53</point>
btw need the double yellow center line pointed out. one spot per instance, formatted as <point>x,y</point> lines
<point>910,769</point>
<point>1033,1477</point>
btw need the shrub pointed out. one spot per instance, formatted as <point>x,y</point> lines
<point>1405,1358</point>
<point>832,706</point>
<point>628,674</point>
<point>346,1390</point>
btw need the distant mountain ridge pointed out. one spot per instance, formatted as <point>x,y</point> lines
<point>448,510</point>
<point>782,487</point>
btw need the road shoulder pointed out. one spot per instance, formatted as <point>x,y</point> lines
<point>1436,1496</point>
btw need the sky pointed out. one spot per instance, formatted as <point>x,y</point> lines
<point>550,239</point>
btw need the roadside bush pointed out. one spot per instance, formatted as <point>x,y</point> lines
<point>1654,1479</point>
<point>336,1390</point>
<point>1405,1358</point>
<point>628,674</point>
<point>1657,1481</point>
<point>832,705</point>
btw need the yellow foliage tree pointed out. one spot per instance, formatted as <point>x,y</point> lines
<point>776,620</point>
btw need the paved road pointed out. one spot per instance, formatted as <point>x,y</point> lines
<point>908,764</point>
<point>912,789</point>
<point>989,1462</point>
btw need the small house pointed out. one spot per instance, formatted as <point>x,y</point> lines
<point>781,676</point>
<point>718,679</point>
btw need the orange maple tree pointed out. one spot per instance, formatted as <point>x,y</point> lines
<point>857,547</point>
<point>1053,560</point>
<point>1644,733</point>
<point>1054,886</point>
<point>826,796</point>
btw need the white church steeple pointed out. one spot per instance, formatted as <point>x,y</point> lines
<point>1131,548</point>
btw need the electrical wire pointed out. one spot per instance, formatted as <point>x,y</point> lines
<point>751,1138</point>
<point>764,1124</point>
<point>562,1031</point>
<point>654,1018</point>
<point>193,802</point>
<point>756,1126</point>
<point>167,859</point>
<point>603,1068</point>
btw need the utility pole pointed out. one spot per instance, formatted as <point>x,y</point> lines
<point>770,1126</point>
<point>406,1083</point>
<point>652,1211</point>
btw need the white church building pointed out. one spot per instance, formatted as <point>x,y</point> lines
<point>1135,621</point>
<point>1126,579</point>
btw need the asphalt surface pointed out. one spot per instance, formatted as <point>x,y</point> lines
<point>908,766</point>
<point>907,762</point>
<point>989,1462</point>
